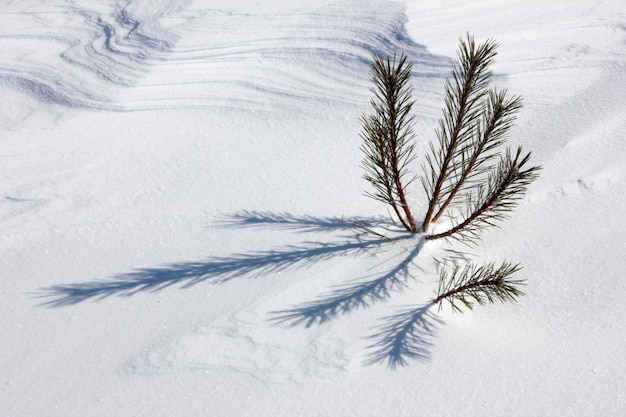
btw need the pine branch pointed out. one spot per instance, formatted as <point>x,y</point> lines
<point>497,119</point>
<point>484,284</point>
<point>387,134</point>
<point>377,164</point>
<point>504,190</point>
<point>464,95</point>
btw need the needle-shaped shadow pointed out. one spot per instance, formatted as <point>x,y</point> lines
<point>403,336</point>
<point>302,223</point>
<point>351,297</point>
<point>222,269</point>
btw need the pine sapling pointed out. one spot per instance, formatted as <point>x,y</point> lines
<point>469,175</point>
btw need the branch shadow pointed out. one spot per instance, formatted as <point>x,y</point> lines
<point>218,270</point>
<point>351,297</point>
<point>302,223</point>
<point>406,335</point>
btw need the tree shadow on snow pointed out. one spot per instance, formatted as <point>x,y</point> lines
<point>403,336</point>
<point>218,270</point>
<point>347,298</point>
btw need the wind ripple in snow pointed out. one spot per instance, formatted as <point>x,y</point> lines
<point>165,54</point>
<point>81,56</point>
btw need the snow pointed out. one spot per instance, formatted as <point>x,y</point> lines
<point>179,187</point>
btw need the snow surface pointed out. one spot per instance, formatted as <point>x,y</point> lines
<point>179,184</point>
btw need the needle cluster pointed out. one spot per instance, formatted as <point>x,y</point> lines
<point>473,284</point>
<point>388,134</point>
<point>468,177</point>
<point>490,200</point>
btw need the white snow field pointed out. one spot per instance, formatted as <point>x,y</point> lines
<point>180,183</point>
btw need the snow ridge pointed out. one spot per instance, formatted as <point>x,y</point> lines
<point>140,55</point>
<point>91,51</point>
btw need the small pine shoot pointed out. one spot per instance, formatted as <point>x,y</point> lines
<point>461,176</point>
<point>472,284</point>
<point>465,95</point>
<point>489,202</point>
<point>387,136</point>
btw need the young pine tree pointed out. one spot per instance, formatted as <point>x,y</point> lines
<point>470,177</point>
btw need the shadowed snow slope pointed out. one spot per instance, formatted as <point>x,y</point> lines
<point>183,228</point>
